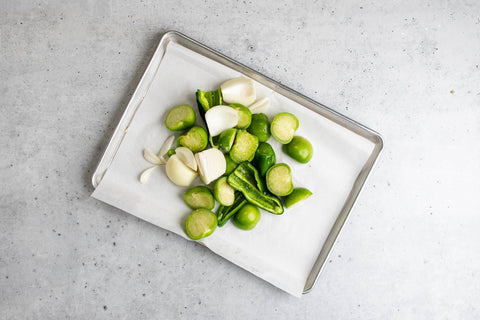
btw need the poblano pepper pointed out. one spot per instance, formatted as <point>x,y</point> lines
<point>224,213</point>
<point>246,179</point>
<point>208,99</point>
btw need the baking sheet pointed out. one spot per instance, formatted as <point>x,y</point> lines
<point>288,250</point>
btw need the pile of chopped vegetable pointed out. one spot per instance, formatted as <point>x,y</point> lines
<point>232,157</point>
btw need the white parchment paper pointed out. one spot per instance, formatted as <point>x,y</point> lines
<point>281,249</point>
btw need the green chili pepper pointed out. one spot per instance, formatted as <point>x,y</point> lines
<point>245,178</point>
<point>224,213</point>
<point>208,99</point>
<point>264,158</point>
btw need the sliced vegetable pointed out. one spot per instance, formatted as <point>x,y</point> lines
<point>241,179</point>
<point>178,172</point>
<point>227,138</point>
<point>187,157</point>
<point>199,197</point>
<point>220,118</point>
<point>264,158</point>
<point>297,195</point>
<point>244,147</point>
<point>283,127</point>
<point>196,139</point>
<point>260,106</point>
<point>213,141</point>
<point>279,179</point>
<point>170,152</point>
<point>152,157</point>
<point>299,149</point>
<point>145,175</point>
<point>244,115</point>
<point>224,213</point>
<point>247,217</point>
<point>238,90</point>
<point>167,144</point>
<point>200,224</point>
<point>211,164</point>
<point>208,99</point>
<point>180,118</point>
<point>260,127</point>
<point>231,165</point>
<point>224,194</point>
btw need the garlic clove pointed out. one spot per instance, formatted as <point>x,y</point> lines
<point>152,157</point>
<point>238,90</point>
<point>211,164</point>
<point>220,118</point>
<point>145,175</point>
<point>187,157</point>
<point>178,172</point>
<point>167,145</point>
<point>260,106</point>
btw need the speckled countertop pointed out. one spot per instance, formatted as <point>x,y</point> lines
<point>411,247</point>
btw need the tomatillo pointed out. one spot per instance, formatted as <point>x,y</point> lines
<point>299,149</point>
<point>247,217</point>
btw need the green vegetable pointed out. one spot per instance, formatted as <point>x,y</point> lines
<point>279,179</point>
<point>200,224</point>
<point>260,127</point>
<point>227,138</point>
<point>244,115</point>
<point>170,152</point>
<point>224,194</point>
<point>213,141</point>
<point>244,147</point>
<point>247,217</point>
<point>180,118</point>
<point>224,213</point>
<point>297,195</point>
<point>299,149</point>
<point>245,178</point>
<point>208,99</point>
<point>231,165</point>
<point>264,158</point>
<point>199,197</point>
<point>196,139</point>
<point>283,127</point>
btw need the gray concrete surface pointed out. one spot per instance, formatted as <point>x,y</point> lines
<point>410,70</point>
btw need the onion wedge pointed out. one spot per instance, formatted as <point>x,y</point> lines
<point>238,90</point>
<point>211,164</point>
<point>260,106</point>
<point>220,118</point>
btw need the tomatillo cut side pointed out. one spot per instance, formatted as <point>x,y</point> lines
<point>200,224</point>
<point>199,197</point>
<point>180,118</point>
<point>196,139</point>
<point>279,180</point>
<point>283,127</point>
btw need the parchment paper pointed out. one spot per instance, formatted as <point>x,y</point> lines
<point>281,249</point>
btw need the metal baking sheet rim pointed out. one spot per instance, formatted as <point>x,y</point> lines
<point>330,114</point>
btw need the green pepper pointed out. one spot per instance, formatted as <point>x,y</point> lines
<point>246,179</point>
<point>264,158</point>
<point>224,213</point>
<point>208,99</point>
